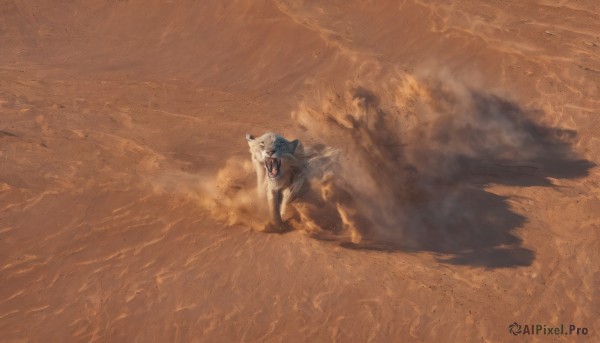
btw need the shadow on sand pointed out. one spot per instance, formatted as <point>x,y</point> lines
<point>426,190</point>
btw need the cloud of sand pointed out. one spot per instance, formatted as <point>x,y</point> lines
<point>417,155</point>
<point>229,196</point>
<point>404,164</point>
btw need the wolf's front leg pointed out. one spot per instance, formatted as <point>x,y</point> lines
<point>274,200</point>
<point>286,198</point>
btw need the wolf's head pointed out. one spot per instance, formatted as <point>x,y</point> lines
<point>273,151</point>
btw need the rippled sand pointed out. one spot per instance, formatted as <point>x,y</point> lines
<point>118,119</point>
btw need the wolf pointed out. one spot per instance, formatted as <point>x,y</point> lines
<point>281,172</point>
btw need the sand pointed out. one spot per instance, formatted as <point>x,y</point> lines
<point>468,136</point>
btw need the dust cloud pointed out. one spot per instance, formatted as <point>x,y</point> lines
<point>405,163</point>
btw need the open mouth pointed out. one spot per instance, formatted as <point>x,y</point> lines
<point>273,166</point>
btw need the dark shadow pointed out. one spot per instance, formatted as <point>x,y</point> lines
<point>6,133</point>
<point>435,184</point>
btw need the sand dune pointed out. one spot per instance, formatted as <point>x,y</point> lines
<point>465,197</point>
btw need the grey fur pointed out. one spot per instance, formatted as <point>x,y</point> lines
<point>292,175</point>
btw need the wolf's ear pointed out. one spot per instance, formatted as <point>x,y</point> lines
<point>294,145</point>
<point>249,137</point>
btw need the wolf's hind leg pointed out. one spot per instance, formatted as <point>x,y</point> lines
<point>296,189</point>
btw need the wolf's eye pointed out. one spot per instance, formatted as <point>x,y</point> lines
<point>262,145</point>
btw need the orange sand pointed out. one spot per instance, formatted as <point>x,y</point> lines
<point>117,119</point>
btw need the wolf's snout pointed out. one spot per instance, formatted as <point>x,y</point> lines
<point>273,165</point>
<point>270,152</point>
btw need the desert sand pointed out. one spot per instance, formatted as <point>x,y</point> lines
<point>465,197</point>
